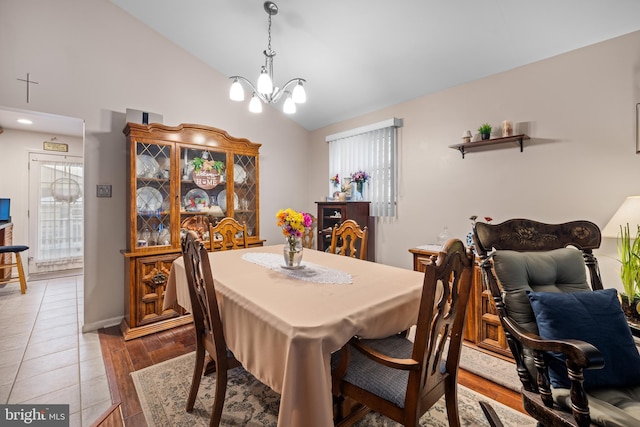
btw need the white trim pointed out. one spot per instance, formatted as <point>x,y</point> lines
<point>394,122</point>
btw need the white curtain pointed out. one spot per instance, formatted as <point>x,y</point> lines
<point>372,149</point>
<point>59,214</point>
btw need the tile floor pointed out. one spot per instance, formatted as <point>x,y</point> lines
<point>44,356</point>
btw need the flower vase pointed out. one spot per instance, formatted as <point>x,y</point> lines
<point>292,252</point>
<point>360,190</point>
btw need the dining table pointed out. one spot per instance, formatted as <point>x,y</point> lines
<point>283,324</point>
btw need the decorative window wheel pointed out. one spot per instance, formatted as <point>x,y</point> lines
<point>65,190</point>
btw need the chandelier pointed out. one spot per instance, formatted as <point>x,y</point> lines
<point>264,90</point>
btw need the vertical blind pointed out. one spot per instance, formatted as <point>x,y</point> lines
<point>372,149</point>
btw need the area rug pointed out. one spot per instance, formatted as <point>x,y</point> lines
<point>163,389</point>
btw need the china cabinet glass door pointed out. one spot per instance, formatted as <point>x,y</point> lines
<point>153,194</point>
<point>203,186</point>
<point>245,189</point>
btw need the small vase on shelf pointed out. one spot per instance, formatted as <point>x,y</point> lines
<point>292,252</point>
<point>360,190</point>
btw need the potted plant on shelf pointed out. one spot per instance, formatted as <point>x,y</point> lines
<point>206,173</point>
<point>485,131</point>
<point>629,253</point>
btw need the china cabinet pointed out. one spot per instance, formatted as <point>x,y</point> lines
<point>331,214</point>
<point>179,178</point>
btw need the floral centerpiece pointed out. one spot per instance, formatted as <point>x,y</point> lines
<point>335,180</point>
<point>360,178</point>
<point>293,225</point>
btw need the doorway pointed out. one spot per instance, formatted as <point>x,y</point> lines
<point>19,141</point>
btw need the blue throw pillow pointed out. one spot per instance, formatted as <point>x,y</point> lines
<point>594,317</point>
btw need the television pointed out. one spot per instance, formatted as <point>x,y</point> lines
<point>5,211</point>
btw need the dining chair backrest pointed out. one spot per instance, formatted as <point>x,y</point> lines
<point>349,239</point>
<point>207,323</point>
<point>402,379</point>
<point>228,234</point>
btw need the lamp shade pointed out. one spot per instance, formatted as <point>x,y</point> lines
<point>299,95</point>
<point>289,106</point>
<point>265,85</point>
<point>236,93</point>
<point>627,213</point>
<point>255,106</point>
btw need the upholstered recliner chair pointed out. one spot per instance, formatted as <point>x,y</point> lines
<point>575,355</point>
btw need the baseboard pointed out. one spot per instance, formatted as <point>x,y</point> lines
<point>90,327</point>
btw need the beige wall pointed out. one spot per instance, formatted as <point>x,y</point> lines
<point>93,61</point>
<point>578,108</point>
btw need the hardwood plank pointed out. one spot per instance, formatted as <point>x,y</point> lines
<point>492,390</point>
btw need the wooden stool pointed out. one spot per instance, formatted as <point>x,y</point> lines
<point>21,278</point>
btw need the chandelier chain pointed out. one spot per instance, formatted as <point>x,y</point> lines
<point>269,39</point>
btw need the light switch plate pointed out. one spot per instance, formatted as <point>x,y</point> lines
<point>104,190</point>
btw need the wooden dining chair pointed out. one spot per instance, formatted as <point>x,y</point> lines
<point>207,323</point>
<point>401,379</point>
<point>349,239</point>
<point>309,234</point>
<point>228,229</point>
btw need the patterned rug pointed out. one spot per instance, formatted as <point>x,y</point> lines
<point>163,389</point>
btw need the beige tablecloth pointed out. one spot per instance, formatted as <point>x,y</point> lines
<point>283,330</point>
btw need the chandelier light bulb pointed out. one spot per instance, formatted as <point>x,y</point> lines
<point>289,106</point>
<point>236,93</point>
<point>299,95</point>
<point>255,106</point>
<point>265,85</point>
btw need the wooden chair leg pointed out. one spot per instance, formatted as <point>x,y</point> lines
<point>451,400</point>
<point>218,399</point>
<point>197,376</point>
<point>23,280</point>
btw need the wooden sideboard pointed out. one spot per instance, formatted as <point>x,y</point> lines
<point>331,214</point>
<point>482,325</point>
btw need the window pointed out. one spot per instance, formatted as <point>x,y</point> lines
<point>372,149</point>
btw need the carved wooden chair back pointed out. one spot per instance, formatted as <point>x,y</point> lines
<point>228,234</point>
<point>309,235</point>
<point>501,242</point>
<point>349,239</point>
<point>402,379</point>
<point>207,323</point>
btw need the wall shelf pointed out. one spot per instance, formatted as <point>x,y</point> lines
<point>470,146</point>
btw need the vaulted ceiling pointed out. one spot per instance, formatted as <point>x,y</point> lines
<point>362,55</point>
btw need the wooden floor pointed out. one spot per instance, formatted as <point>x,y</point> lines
<point>121,358</point>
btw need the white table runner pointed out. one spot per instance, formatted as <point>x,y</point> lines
<point>309,272</point>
